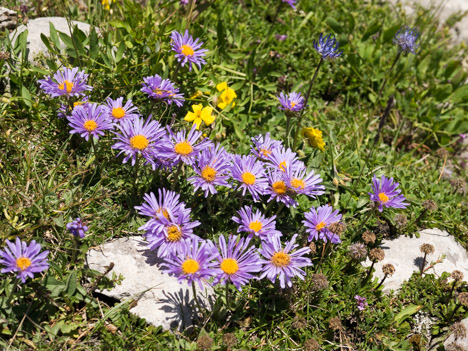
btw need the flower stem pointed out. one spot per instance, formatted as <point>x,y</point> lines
<point>369,272</point>
<point>364,221</point>
<point>382,281</point>
<point>135,176</point>
<point>423,264</point>
<point>227,296</point>
<point>176,176</point>
<point>194,291</point>
<point>298,128</point>
<point>386,78</point>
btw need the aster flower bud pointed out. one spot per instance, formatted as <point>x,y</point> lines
<point>368,237</point>
<point>377,254</point>
<point>388,269</point>
<point>357,251</point>
<point>427,249</point>
<point>313,248</point>
<point>457,275</point>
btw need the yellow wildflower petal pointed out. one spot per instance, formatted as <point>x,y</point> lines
<point>314,137</point>
<point>222,105</point>
<point>206,116</point>
<point>197,108</point>
<point>197,122</point>
<point>190,116</point>
<point>222,86</point>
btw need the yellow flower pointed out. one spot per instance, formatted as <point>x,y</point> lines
<point>200,114</point>
<point>227,96</point>
<point>314,137</point>
<point>106,4</point>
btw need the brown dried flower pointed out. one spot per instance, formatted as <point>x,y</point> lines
<point>337,228</point>
<point>442,152</point>
<point>319,282</point>
<point>427,249</point>
<point>457,275</point>
<point>311,345</point>
<point>335,323</point>
<point>388,269</point>
<point>368,237</point>
<point>204,343</point>
<point>313,248</point>
<point>454,347</point>
<point>458,330</point>
<point>377,254</point>
<point>401,220</point>
<point>463,298</point>
<point>229,340</point>
<point>299,322</point>
<point>4,55</point>
<point>430,205</point>
<point>357,251</point>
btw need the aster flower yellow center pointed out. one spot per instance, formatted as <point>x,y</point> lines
<point>183,148</point>
<point>248,178</point>
<point>280,259</point>
<point>158,91</point>
<point>139,142</point>
<point>173,233</point>
<point>320,226</point>
<point>297,183</point>
<point>265,152</point>
<point>229,266</point>
<point>383,197</point>
<point>187,50</point>
<point>190,266</point>
<point>23,263</point>
<point>164,212</point>
<point>282,166</point>
<point>209,174</point>
<point>66,85</point>
<point>256,226</point>
<point>279,187</point>
<point>90,125</point>
<point>293,104</point>
<point>78,103</point>
<point>118,112</point>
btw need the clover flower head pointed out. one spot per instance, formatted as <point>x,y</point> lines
<point>255,223</point>
<point>327,46</point>
<point>162,89</point>
<point>24,259</point>
<point>68,82</point>
<point>283,263</point>
<point>385,193</point>
<point>291,102</point>
<point>77,228</point>
<point>187,50</point>
<point>406,38</point>
<point>317,223</point>
<point>89,120</point>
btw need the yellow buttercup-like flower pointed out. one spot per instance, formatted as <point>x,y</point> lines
<point>107,3</point>
<point>314,137</point>
<point>200,114</point>
<point>227,95</point>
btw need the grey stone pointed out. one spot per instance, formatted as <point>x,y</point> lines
<point>162,300</point>
<point>8,19</point>
<point>462,342</point>
<point>39,26</point>
<point>403,252</point>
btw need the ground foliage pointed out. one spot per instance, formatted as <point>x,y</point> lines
<point>48,177</point>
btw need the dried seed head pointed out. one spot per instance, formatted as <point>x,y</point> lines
<point>415,340</point>
<point>401,220</point>
<point>4,55</point>
<point>229,340</point>
<point>430,205</point>
<point>442,152</point>
<point>459,184</point>
<point>457,275</point>
<point>377,254</point>
<point>463,298</point>
<point>313,248</point>
<point>204,342</point>
<point>454,347</point>
<point>388,269</point>
<point>427,249</point>
<point>299,322</point>
<point>357,251</point>
<point>383,228</point>
<point>368,237</point>
<point>335,323</point>
<point>319,282</point>
<point>337,228</point>
<point>311,345</point>
<point>458,330</point>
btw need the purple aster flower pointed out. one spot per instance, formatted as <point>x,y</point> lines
<point>292,3</point>
<point>184,2</point>
<point>237,261</point>
<point>281,37</point>
<point>167,204</point>
<point>327,47</point>
<point>361,302</point>
<point>283,159</point>
<point>89,119</point>
<point>23,258</point>
<point>212,168</point>
<point>255,223</point>
<point>167,235</point>
<point>193,262</point>
<point>181,147</point>
<point>301,182</point>
<point>118,112</point>
<point>283,263</point>
<point>406,39</point>
<point>385,193</point>
<point>249,172</point>
<point>77,228</point>
<point>66,110</point>
<point>317,222</point>
<point>278,189</point>
<point>292,102</point>
<point>263,146</point>
<point>187,49</point>
<point>69,82</point>
<point>138,137</point>
<point>162,89</point>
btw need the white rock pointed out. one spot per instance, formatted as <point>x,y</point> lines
<point>8,18</point>
<point>162,300</point>
<point>463,342</point>
<point>39,26</point>
<point>403,252</point>
<point>443,9</point>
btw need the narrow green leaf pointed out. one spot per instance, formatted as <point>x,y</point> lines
<point>406,312</point>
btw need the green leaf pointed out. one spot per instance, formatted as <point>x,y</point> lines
<point>120,52</point>
<point>334,24</point>
<point>26,95</point>
<point>54,286</point>
<point>93,44</point>
<point>71,284</point>
<point>53,35</point>
<point>407,312</point>
<point>371,31</point>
